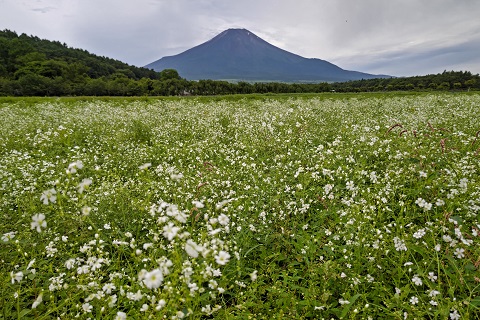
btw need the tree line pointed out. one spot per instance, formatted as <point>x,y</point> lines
<point>30,66</point>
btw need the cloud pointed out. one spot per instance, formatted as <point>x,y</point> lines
<point>44,9</point>
<point>400,37</point>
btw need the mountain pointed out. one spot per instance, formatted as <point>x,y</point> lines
<point>238,54</point>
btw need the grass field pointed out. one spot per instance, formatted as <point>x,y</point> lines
<point>251,207</point>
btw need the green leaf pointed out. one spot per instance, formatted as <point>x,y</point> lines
<point>475,302</point>
<point>23,313</point>
<point>470,267</point>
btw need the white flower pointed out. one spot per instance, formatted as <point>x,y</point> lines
<point>86,211</point>
<point>434,293</point>
<point>423,204</point>
<point>145,166</point>
<point>176,176</point>
<point>413,300</point>
<point>350,186</point>
<point>222,257</point>
<point>84,185</point>
<point>153,279</point>
<point>416,279</point>
<point>181,217</point>
<point>49,196</point>
<point>253,275</point>
<point>38,222</point>
<point>223,219</point>
<point>342,301</point>
<point>108,287</point>
<point>160,304</point>
<point>121,315</point>
<point>144,307</point>
<point>87,307</point>
<point>170,231</point>
<point>37,301</point>
<point>198,204</point>
<point>172,210</point>
<point>432,277</point>
<point>192,248</point>
<point>221,204</point>
<point>419,234</point>
<point>459,253</point>
<point>8,236</point>
<point>72,167</point>
<point>30,264</point>
<point>399,244</point>
<point>70,263</point>
<point>16,276</point>
<point>214,231</point>
<point>454,315</point>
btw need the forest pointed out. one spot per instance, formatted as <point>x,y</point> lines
<point>30,66</point>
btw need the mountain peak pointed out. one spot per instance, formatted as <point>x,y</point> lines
<point>239,54</point>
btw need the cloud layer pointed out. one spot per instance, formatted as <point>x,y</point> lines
<point>397,37</point>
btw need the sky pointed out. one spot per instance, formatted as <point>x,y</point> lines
<point>394,37</point>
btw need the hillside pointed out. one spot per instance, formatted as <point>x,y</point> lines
<point>238,54</point>
<point>33,65</point>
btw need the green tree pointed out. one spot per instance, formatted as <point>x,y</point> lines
<point>168,74</point>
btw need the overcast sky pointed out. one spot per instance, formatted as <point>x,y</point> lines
<point>395,37</point>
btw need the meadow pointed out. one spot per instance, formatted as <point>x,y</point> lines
<point>252,207</point>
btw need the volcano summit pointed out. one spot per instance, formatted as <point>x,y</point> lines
<point>240,55</point>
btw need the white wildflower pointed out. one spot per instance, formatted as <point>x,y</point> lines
<point>87,307</point>
<point>222,257</point>
<point>198,204</point>
<point>253,275</point>
<point>399,244</point>
<point>170,231</point>
<point>459,253</point>
<point>72,167</point>
<point>192,248</point>
<point>16,276</point>
<point>416,280</point>
<point>37,301</point>
<point>84,185</point>
<point>49,196</point>
<point>145,166</point>
<point>38,222</point>
<point>8,236</point>
<point>432,277</point>
<point>153,279</point>
<point>419,234</point>
<point>223,219</point>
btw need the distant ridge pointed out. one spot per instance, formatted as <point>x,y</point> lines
<point>238,54</point>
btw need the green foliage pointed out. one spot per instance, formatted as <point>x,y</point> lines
<point>343,206</point>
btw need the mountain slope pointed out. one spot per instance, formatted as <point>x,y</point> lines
<point>23,54</point>
<point>239,54</point>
